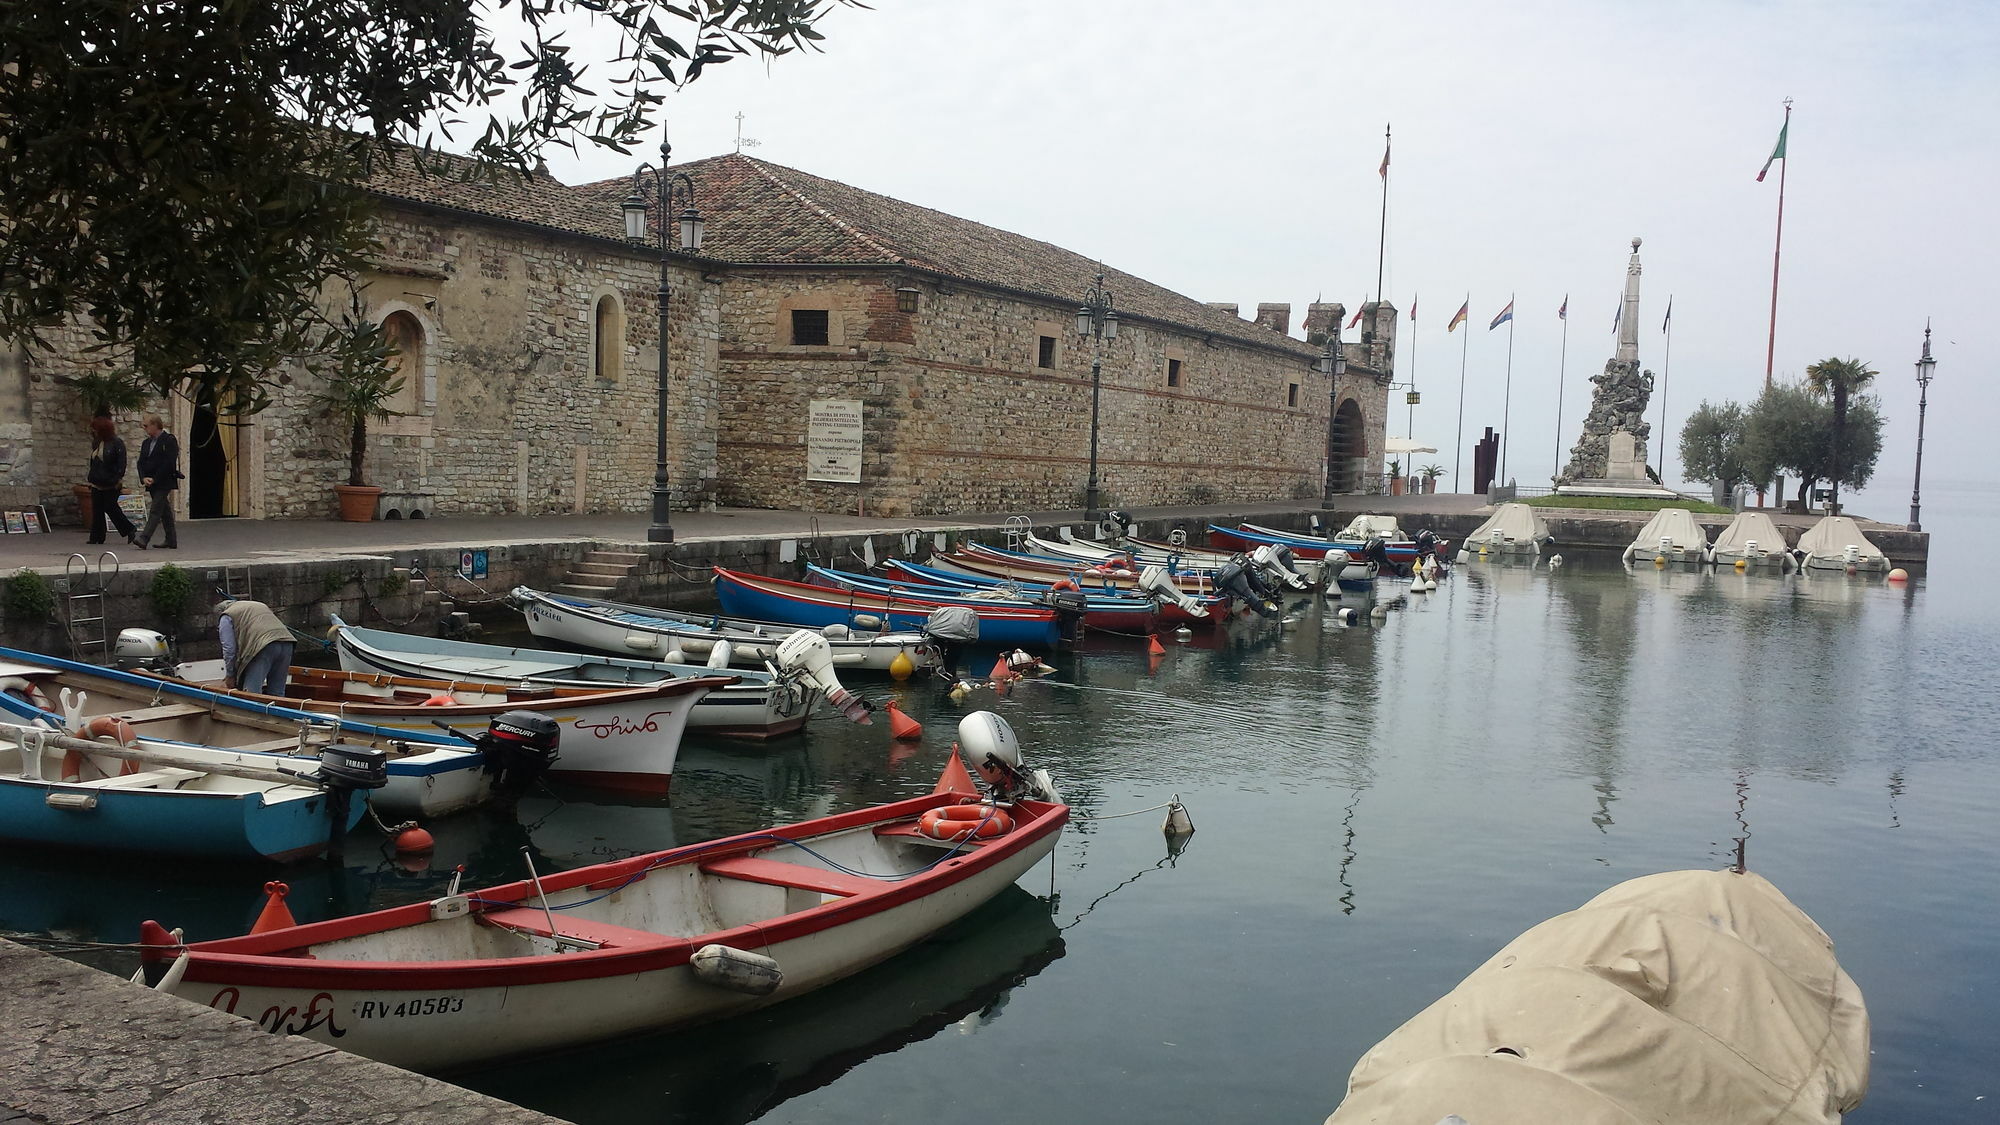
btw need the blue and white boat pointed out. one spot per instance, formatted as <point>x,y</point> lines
<point>776,599</point>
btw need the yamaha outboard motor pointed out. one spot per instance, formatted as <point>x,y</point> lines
<point>519,747</point>
<point>344,769</point>
<point>1237,579</point>
<point>951,628</point>
<point>1070,606</point>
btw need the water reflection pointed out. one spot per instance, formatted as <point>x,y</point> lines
<point>736,1071</point>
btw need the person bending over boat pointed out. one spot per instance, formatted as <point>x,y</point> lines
<point>256,647</point>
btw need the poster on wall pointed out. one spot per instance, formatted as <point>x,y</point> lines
<point>833,440</point>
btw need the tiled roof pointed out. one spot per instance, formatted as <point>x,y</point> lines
<point>760,212</point>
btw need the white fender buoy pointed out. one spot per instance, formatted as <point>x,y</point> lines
<point>736,970</point>
<point>718,657</point>
<point>1178,823</point>
<point>1555,562</point>
<point>1346,615</point>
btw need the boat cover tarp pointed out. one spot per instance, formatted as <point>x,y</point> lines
<point>1748,527</point>
<point>1684,998</point>
<point>1676,524</point>
<point>1361,527</point>
<point>1517,522</point>
<point>1828,539</point>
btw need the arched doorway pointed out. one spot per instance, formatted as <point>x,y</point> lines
<point>1349,449</point>
<point>211,457</point>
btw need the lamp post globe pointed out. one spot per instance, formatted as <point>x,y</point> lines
<point>667,188</point>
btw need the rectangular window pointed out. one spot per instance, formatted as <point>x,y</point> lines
<point>1173,373</point>
<point>1047,356</point>
<point>1291,394</point>
<point>809,327</point>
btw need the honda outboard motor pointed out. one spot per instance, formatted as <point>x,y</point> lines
<point>808,655</point>
<point>1236,579</point>
<point>1070,606</point>
<point>138,650</point>
<point>344,769</point>
<point>990,747</point>
<point>951,628</point>
<point>518,747</point>
<point>1275,563</point>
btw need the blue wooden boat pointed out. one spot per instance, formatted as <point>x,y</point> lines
<point>797,603</point>
<point>1173,604</point>
<point>1113,612</point>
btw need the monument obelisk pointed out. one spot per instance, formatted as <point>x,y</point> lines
<point>1617,406</point>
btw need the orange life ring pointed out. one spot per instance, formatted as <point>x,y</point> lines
<point>1064,584</point>
<point>103,725</point>
<point>953,822</point>
<point>27,692</point>
<point>441,699</point>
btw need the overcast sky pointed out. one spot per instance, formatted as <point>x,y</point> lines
<point>1229,151</point>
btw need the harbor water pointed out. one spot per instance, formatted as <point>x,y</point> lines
<point>1378,806</point>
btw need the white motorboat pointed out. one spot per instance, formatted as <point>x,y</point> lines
<point>1512,529</point>
<point>1752,541</point>
<point>1836,543</point>
<point>1671,536</point>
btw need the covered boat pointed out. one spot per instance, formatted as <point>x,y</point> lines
<point>1688,996</point>
<point>1752,541</point>
<point>1836,543</point>
<point>661,633</point>
<point>1670,536</point>
<point>656,941</point>
<point>1364,527</point>
<point>1512,529</point>
<point>750,595</point>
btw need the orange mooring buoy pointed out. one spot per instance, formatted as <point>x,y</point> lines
<point>414,839</point>
<point>955,778</point>
<point>1001,673</point>
<point>275,915</point>
<point>901,726</point>
<point>1154,646</point>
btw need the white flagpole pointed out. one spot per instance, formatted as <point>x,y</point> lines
<point>1458,448</point>
<point>1411,432</point>
<point>1666,369</point>
<point>1562,371</point>
<point>1507,395</point>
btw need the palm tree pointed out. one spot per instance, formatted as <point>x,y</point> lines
<point>1839,380</point>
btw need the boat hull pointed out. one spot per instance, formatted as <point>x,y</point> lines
<point>631,630</point>
<point>818,607</point>
<point>280,825</point>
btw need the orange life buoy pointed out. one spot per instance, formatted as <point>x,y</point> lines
<point>27,692</point>
<point>953,822</point>
<point>441,699</point>
<point>1064,584</point>
<point>101,727</point>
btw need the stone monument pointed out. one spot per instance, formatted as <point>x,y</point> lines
<point>1609,457</point>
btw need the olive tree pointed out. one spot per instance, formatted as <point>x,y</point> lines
<point>1790,429</point>
<point>1712,445</point>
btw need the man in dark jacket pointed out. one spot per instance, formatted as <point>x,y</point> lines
<point>160,473</point>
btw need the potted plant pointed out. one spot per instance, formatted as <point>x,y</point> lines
<point>360,388</point>
<point>101,392</point>
<point>1396,478</point>
<point>1430,475</point>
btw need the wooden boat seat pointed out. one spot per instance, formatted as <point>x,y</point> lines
<point>164,711</point>
<point>777,873</point>
<point>166,777</point>
<point>604,935</point>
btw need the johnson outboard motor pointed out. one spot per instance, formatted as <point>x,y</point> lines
<point>1070,606</point>
<point>342,770</point>
<point>1237,579</point>
<point>951,628</point>
<point>518,747</point>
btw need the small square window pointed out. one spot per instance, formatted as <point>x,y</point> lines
<point>1046,357</point>
<point>1173,373</point>
<point>809,327</point>
<point>1291,394</point>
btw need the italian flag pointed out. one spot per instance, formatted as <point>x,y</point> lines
<point>1777,153</point>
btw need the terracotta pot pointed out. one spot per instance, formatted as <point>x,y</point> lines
<point>1395,486</point>
<point>357,501</point>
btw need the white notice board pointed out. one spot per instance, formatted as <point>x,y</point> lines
<point>833,440</point>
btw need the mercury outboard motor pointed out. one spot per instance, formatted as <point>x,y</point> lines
<point>518,747</point>
<point>1070,606</point>
<point>1239,581</point>
<point>951,628</point>
<point>344,769</point>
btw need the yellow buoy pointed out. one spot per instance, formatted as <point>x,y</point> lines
<point>901,667</point>
<point>1743,564</point>
<point>1659,560</point>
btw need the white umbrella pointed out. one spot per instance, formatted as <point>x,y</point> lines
<point>1396,445</point>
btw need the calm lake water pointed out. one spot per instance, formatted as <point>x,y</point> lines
<point>1378,810</point>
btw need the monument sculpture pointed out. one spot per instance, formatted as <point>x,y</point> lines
<point>1610,454</point>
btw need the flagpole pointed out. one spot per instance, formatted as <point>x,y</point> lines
<point>1562,371</point>
<point>1411,432</point>
<point>1507,395</point>
<point>1382,242</point>
<point>1777,249</point>
<point>1666,370</point>
<point>1458,447</point>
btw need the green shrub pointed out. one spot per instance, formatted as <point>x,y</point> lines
<point>172,593</point>
<point>30,598</point>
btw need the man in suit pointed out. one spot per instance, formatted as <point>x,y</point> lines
<point>160,473</point>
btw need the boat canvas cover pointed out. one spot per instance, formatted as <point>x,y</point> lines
<point>1362,527</point>
<point>1684,998</point>
<point>1829,538</point>
<point>1676,524</point>
<point>1746,527</point>
<point>1517,522</point>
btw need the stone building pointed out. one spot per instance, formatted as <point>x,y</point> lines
<point>530,343</point>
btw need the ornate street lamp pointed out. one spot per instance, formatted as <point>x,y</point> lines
<point>667,188</point>
<point>1926,367</point>
<point>1333,364</point>
<point>1098,321</point>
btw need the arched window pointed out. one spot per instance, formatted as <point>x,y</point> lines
<point>607,344</point>
<point>406,335</point>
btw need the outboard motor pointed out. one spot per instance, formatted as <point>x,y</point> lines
<point>807,654</point>
<point>1275,562</point>
<point>951,628</point>
<point>990,747</point>
<point>1118,524</point>
<point>1430,548</point>
<point>1376,550</point>
<point>1070,606</point>
<point>1155,581</point>
<point>344,769</point>
<point>519,747</point>
<point>141,650</point>
<point>1236,579</point>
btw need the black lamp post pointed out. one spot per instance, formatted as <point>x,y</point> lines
<point>1926,367</point>
<point>1097,320</point>
<point>667,187</point>
<point>1333,365</point>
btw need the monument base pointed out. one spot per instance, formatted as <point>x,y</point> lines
<point>1641,488</point>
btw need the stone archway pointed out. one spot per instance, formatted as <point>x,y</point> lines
<point>1349,449</point>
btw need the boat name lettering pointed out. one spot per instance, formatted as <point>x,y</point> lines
<point>414,1006</point>
<point>289,1021</point>
<point>615,727</point>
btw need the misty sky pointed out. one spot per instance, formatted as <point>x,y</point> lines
<point>1229,151</point>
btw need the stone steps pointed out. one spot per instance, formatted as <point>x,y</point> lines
<point>600,574</point>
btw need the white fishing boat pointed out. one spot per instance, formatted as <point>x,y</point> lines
<point>657,941</point>
<point>1752,541</point>
<point>662,634</point>
<point>1512,529</point>
<point>1671,536</point>
<point>760,705</point>
<point>1836,543</point>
